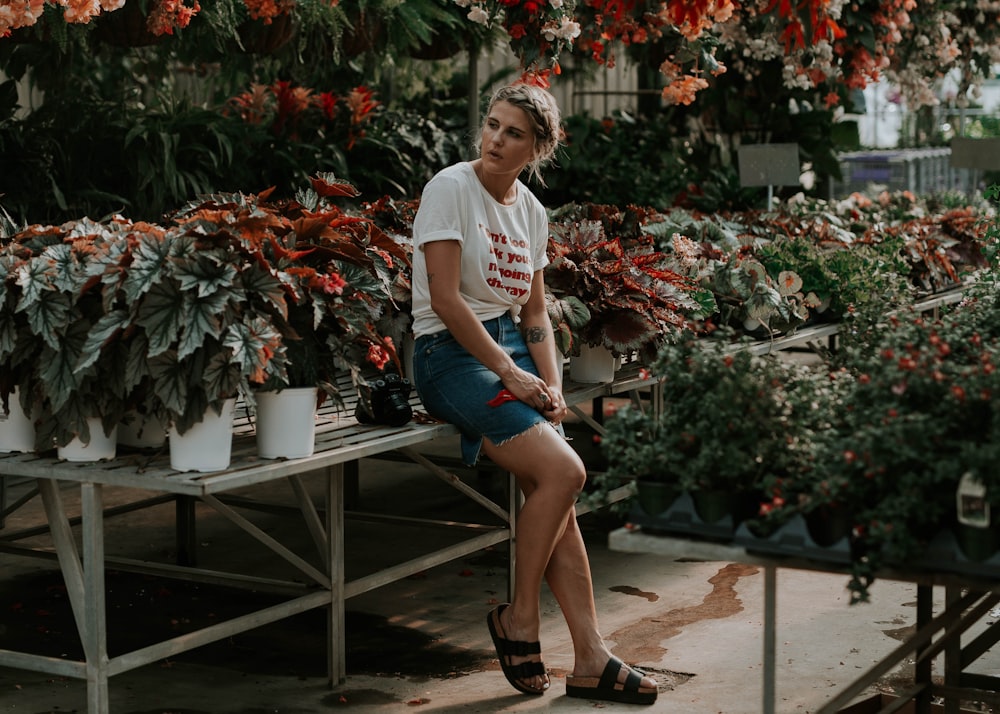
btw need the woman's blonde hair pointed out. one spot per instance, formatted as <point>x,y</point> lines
<point>543,113</point>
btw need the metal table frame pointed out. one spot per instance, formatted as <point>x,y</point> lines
<point>967,601</point>
<point>325,586</point>
<point>340,443</point>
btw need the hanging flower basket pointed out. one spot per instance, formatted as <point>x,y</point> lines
<point>127,27</point>
<point>440,47</point>
<point>364,35</point>
<point>265,38</point>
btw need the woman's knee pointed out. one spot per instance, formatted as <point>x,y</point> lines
<point>576,474</point>
<point>563,471</point>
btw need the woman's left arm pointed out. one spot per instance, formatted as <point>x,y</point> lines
<point>537,330</point>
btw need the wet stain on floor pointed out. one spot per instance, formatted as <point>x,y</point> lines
<point>358,698</point>
<point>901,633</point>
<point>629,590</point>
<point>639,642</point>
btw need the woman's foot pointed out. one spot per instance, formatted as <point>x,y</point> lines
<point>618,682</point>
<point>521,660</point>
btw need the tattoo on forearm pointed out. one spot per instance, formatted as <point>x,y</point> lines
<point>430,278</point>
<point>534,335</point>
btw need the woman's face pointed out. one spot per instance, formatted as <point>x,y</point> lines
<point>508,141</point>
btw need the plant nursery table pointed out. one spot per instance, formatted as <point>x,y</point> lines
<point>319,574</point>
<point>968,598</point>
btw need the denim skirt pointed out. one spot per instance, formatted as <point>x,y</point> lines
<point>456,387</point>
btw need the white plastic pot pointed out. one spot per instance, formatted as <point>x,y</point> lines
<point>206,446</point>
<point>592,365</point>
<point>142,431</point>
<point>286,423</point>
<point>17,431</point>
<point>100,447</point>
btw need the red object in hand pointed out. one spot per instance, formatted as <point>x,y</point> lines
<point>504,395</point>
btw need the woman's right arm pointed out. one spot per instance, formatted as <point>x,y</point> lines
<point>444,263</point>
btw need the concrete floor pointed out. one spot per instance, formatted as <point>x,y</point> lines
<point>422,643</point>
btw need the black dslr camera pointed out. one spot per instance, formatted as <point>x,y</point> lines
<point>385,400</point>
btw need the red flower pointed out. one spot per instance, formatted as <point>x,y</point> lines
<point>378,355</point>
<point>333,284</point>
<point>328,105</point>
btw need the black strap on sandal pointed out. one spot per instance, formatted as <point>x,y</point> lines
<point>519,648</point>
<point>609,678</point>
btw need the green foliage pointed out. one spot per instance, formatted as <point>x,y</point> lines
<point>634,298</point>
<point>100,317</point>
<point>568,314</point>
<point>719,190</point>
<point>623,160</point>
<point>729,420</point>
<point>400,153</point>
<point>63,330</point>
<point>842,276</point>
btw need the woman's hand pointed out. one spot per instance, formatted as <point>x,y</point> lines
<point>533,391</point>
<point>555,408</point>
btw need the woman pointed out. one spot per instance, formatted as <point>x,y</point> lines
<point>485,360</point>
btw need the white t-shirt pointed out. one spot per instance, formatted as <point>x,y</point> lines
<point>502,246</point>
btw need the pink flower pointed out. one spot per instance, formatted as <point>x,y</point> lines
<point>333,284</point>
<point>378,355</point>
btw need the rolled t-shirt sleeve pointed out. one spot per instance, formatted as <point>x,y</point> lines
<point>443,213</point>
<point>540,242</point>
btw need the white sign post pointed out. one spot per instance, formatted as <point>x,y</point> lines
<point>769,165</point>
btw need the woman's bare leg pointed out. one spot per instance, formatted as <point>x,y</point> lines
<point>549,545</point>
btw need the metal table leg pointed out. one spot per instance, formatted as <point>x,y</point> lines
<point>952,658</point>
<point>96,643</point>
<point>186,526</point>
<point>770,598</point>
<point>924,666</point>
<point>337,646</point>
<point>84,581</point>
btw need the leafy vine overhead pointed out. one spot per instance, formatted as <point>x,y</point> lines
<point>823,45</point>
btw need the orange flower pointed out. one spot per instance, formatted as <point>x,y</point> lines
<point>378,356</point>
<point>167,15</point>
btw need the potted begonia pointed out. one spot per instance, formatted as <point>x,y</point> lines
<point>70,352</point>
<point>201,299</point>
<point>19,352</point>
<point>634,297</point>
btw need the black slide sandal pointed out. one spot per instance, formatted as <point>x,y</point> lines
<point>609,689</point>
<point>506,649</point>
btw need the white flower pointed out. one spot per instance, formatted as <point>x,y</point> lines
<point>566,30</point>
<point>478,14</point>
<point>570,29</point>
